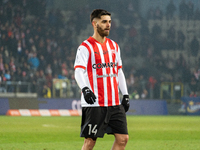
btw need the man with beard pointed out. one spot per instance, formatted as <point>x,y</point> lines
<point>98,72</point>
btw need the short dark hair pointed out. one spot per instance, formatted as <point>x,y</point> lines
<point>97,13</point>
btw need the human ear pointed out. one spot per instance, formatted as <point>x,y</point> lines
<point>94,24</point>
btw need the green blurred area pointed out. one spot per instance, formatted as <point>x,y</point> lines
<point>62,133</point>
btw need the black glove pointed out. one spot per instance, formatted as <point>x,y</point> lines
<point>125,102</point>
<point>88,95</point>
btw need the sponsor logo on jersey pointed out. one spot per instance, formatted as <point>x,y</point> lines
<point>106,75</point>
<point>104,65</point>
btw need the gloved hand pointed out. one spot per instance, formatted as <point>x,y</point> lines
<point>125,102</point>
<point>88,95</point>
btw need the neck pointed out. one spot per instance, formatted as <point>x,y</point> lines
<point>99,38</point>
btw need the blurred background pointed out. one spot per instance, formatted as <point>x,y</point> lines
<point>159,42</point>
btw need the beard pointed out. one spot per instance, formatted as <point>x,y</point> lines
<point>102,32</point>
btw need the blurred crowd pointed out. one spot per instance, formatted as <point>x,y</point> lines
<point>185,11</point>
<point>32,48</point>
<point>38,45</point>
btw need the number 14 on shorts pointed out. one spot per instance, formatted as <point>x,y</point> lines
<point>92,129</point>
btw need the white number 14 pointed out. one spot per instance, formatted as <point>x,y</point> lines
<point>92,130</point>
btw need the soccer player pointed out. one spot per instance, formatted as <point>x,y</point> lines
<point>98,72</point>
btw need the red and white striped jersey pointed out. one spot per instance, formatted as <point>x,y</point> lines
<point>101,63</point>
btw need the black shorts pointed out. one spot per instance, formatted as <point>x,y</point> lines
<point>96,121</point>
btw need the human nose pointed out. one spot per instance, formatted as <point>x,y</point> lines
<point>108,24</point>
